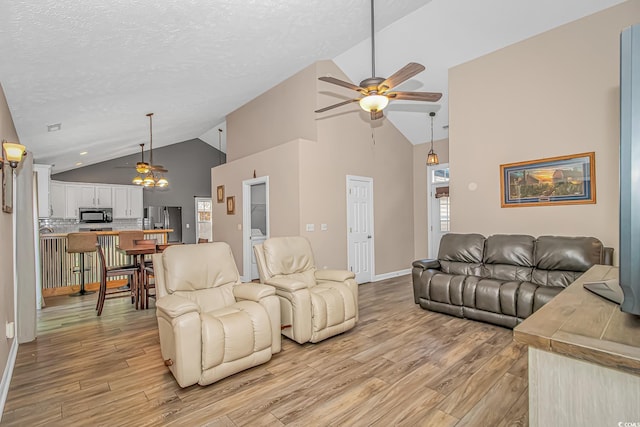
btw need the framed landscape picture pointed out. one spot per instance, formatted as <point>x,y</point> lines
<point>552,181</point>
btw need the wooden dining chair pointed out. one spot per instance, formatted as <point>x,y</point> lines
<point>114,271</point>
<point>147,273</point>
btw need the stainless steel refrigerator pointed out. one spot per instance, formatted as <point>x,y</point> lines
<point>165,217</point>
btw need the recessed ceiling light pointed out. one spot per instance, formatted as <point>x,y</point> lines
<point>78,163</point>
<point>83,153</point>
<point>54,127</point>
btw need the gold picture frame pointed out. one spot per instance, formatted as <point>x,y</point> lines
<point>220,193</point>
<point>563,180</point>
<point>7,188</point>
<point>231,205</point>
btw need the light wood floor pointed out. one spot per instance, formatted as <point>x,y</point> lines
<point>400,365</point>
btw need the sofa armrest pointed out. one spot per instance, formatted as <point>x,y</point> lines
<point>334,275</point>
<point>289,285</point>
<point>252,291</point>
<point>427,264</point>
<point>173,306</point>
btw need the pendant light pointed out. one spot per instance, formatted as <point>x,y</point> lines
<point>432,157</point>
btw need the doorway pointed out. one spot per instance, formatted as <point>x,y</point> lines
<point>204,225</point>
<point>360,254</point>
<point>438,206</point>
<point>255,222</point>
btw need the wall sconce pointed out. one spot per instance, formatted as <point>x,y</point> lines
<point>13,153</point>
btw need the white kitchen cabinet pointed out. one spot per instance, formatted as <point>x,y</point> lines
<point>57,199</point>
<point>95,196</point>
<point>127,202</point>
<point>43,178</point>
<point>103,196</point>
<point>75,195</point>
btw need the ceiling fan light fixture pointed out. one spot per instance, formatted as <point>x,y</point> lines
<point>374,103</point>
<point>137,180</point>
<point>148,181</point>
<point>142,167</point>
<point>162,182</point>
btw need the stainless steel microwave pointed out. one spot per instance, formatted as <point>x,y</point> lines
<point>86,215</point>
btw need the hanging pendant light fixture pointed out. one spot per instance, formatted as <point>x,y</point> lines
<point>432,157</point>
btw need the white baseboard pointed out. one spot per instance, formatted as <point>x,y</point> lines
<point>6,376</point>
<point>392,274</point>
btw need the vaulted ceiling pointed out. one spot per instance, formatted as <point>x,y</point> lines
<point>98,67</point>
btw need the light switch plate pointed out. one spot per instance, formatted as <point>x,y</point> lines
<point>323,227</point>
<point>311,227</point>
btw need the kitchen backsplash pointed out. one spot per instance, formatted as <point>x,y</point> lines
<point>59,225</point>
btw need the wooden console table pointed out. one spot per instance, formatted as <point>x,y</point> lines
<point>584,358</point>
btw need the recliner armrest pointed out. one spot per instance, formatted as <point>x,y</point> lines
<point>607,255</point>
<point>174,306</point>
<point>334,275</point>
<point>252,291</point>
<point>283,283</point>
<point>427,264</point>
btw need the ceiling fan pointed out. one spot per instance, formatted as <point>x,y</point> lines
<point>149,170</point>
<point>377,90</point>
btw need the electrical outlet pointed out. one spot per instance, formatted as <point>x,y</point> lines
<point>11,330</point>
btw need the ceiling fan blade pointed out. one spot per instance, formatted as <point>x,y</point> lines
<point>342,83</point>
<point>339,104</point>
<point>375,115</point>
<point>416,96</point>
<point>403,74</point>
<point>158,168</point>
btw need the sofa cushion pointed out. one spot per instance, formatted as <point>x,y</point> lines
<point>563,253</point>
<point>496,296</point>
<point>461,248</point>
<point>510,249</point>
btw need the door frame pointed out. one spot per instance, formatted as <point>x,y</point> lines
<point>246,222</point>
<point>369,180</point>
<point>196,200</point>
<point>430,169</point>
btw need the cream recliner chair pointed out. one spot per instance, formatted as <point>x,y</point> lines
<point>211,325</point>
<point>314,304</point>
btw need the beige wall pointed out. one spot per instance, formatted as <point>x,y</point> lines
<point>283,113</point>
<point>344,142</point>
<point>281,164</point>
<point>552,95</point>
<point>7,132</point>
<point>420,192</point>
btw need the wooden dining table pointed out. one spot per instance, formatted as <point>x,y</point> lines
<point>138,252</point>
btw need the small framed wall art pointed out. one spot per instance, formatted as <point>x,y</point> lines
<point>220,193</point>
<point>231,205</point>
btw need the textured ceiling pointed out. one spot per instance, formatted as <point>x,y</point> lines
<point>98,67</point>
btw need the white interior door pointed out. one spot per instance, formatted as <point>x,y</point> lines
<point>204,225</point>
<point>439,213</point>
<point>360,227</point>
<point>255,222</point>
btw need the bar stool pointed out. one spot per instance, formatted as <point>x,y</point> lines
<point>81,243</point>
<point>147,270</point>
<point>126,239</point>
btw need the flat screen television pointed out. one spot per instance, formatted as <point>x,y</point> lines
<point>629,252</point>
<point>626,291</point>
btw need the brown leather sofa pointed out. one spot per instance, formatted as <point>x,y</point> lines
<point>502,279</point>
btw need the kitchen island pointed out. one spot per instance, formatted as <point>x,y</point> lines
<point>57,265</point>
